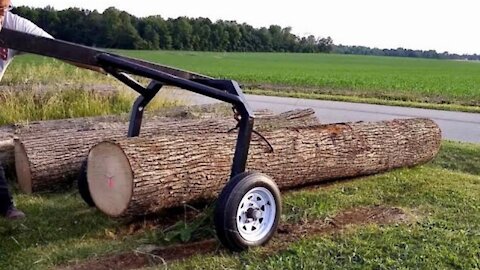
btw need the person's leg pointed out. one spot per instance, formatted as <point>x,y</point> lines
<point>5,197</point>
<point>7,209</point>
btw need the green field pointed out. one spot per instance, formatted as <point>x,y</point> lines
<point>385,78</point>
<point>405,79</point>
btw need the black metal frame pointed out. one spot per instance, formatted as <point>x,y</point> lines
<point>120,67</point>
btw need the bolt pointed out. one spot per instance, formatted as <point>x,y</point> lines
<point>254,214</point>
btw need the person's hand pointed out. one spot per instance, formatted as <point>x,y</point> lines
<point>6,6</point>
<point>2,20</point>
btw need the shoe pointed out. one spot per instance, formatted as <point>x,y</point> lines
<point>13,214</point>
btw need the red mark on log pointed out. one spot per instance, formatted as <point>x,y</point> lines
<point>110,182</point>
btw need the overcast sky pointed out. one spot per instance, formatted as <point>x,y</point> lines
<point>442,25</point>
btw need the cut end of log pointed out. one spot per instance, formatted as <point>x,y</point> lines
<point>22,168</point>
<point>110,178</point>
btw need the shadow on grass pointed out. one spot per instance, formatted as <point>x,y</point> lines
<point>461,157</point>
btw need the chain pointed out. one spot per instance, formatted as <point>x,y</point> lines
<point>238,117</point>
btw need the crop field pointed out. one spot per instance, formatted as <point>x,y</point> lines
<point>387,78</point>
<point>404,79</point>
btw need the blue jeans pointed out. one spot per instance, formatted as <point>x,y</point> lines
<point>5,197</point>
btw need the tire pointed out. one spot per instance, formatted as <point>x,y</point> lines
<point>247,211</point>
<point>83,185</point>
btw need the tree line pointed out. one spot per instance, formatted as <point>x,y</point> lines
<point>402,52</point>
<point>118,29</point>
<point>114,28</point>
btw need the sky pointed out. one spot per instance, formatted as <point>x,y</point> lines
<point>441,25</point>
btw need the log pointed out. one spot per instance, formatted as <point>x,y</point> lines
<point>137,176</point>
<point>51,161</point>
<point>41,128</point>
<point>38,129</point>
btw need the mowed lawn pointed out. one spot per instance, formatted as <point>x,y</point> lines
<point>388,78</point>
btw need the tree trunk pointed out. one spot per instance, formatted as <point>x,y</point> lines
<point>50,161</point>
<point>137,176</point>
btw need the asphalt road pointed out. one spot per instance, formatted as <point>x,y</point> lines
<point>456,126</point>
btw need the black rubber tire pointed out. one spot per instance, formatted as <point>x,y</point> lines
<point>227,205</point>
<point>83,185</point>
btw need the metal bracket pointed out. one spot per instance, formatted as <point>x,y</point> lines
<point>138,108</point>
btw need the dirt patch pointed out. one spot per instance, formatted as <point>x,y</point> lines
<point>287,234</point>
<point>146,256</point>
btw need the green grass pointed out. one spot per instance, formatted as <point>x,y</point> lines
<point>385,78</point>
<point>461,157</point>
<point>370,100</point>
<point>33,69</point>
<point>442,195</point>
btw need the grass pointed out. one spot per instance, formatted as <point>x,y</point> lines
<point>368,78</point>
<point>39,88</point>
<point>463,157</point>
<point>27,104</point>
<point>32,69</point>
<point>370,100</point>
<point>442,195</point>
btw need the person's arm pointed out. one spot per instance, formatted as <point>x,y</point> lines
<point>19,23</point>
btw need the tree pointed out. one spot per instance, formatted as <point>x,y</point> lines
<point>289,40</point>
<point>182,34</point>
<point>161,28</point>
<point>47,19</point>
<point>325,44</point>
<point>110,27</point>
<point>265,39</point>
<point>234,36</point>
<point>93,25</point>
<point>277,38</point>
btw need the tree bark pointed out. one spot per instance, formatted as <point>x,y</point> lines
<point>50,161</point>
<point>137,176</point>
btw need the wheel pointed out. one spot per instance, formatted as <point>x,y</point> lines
<point>247,211</point>
<point>83,185</point>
